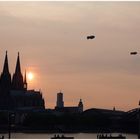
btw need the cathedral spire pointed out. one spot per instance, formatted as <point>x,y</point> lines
<point>17,81</point>
<point>18,70</point>
<point>25,81</point>
<point>5,78</point>
<point>6,68</point>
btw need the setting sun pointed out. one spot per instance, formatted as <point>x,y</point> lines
<point>30,76</point>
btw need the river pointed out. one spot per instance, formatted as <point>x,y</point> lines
<point>49,135</point>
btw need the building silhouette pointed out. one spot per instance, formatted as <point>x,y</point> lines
<point>67,109</point>
<point>13,91</point>
<point>60,102</point>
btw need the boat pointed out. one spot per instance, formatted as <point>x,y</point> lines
<point>61,137</point>
<point>102,136</point>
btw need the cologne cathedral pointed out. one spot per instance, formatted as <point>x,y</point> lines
<point>13,90</point>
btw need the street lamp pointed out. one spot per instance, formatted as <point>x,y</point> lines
<point>10,116</point>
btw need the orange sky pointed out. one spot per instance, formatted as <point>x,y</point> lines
<point>51,39</point>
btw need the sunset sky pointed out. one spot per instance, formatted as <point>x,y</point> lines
<point>51,39</point>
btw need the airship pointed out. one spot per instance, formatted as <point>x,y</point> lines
<point>91,37</point>
<point>133,53</point>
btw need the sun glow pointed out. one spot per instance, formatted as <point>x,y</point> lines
<point>30,76</point>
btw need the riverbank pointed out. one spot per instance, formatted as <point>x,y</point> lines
<point>39,131</point>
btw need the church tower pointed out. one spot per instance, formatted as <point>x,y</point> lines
<point>80,105</point>
<point>17,81</point>
<point>5,78</point>
<point>59,102</point>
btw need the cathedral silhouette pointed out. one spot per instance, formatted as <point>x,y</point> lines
<point>13,91</point>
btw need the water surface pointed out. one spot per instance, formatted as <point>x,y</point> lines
<point>49,135</point>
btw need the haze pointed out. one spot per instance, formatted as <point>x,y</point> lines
<point>51,39</point>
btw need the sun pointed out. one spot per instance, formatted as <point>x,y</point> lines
<point>30,76</point>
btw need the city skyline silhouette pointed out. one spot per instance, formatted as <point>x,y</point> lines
<point>52,40</point>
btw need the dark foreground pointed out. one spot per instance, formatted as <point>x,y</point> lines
<point>91,121</point>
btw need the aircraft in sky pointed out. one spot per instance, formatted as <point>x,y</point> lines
<point>91,37</point>
<point>133,53</point>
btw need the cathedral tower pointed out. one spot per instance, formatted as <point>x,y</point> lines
<point>17,81</point>
<point>5,78</point>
